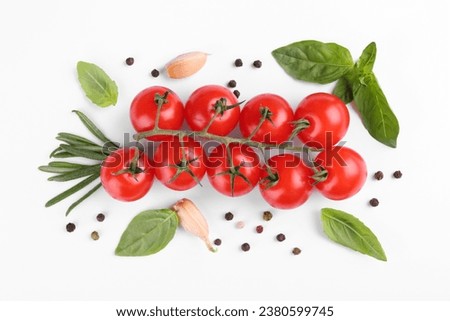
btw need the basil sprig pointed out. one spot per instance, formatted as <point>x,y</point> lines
<point>323,63</point>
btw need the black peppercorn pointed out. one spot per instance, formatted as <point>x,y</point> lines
<point>259,229</point>
<point>236,93</point>
<point>217,242</point>
<point>378,175</point>
<point>238,62</point>
<point>397,174</point>
<point>129,61</point>
<point>257,63</point>
<point>70,227</point>
<point>154,73</point>
<point>101,217</point>
<point>374,202</point>
<point>245,247</point>
<point>232,83</point>
<point>281,237</point>
<point>229,216</point>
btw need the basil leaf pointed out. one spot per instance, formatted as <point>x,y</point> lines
<point>148,233</point>
<point>343,90</point>
<point>347,230</point>
<point>367,59</point>
<point>376,115</point>
<point>314,61</point>
<point>96,84</point>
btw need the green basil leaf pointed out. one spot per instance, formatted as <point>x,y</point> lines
<point>314,61</point>
<point>376,114</point>
<point>148,233</point>
<point>367,59</point>
<point>347,230</point>
<point>96,84</point>
<point>343,90</point>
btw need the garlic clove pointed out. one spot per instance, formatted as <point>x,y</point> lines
<point>186,65</point>
<point>192,220</point>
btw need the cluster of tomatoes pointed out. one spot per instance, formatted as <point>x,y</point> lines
<point>234,166</point>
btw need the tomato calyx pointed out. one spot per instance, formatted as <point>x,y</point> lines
<point>161,99</point>
<point>271,179</point>
<point>183,167</point>
<point>221,106</point>
<point>320,174</point>
<point>299,125</point>
<point>234,172</point>
<point>132,168</point>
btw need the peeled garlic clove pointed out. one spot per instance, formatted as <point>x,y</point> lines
<point>186,65</point>
<point>192,220</point>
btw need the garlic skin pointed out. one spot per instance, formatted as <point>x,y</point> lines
<point>192,220</point>
<point>185,65</point>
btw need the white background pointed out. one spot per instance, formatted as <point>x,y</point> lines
<point>41,42</point>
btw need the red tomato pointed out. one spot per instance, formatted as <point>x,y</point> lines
<point>277,126</point>
<point>289,184</point>
<point>236,175</point>
<point>205,102</point>
<point>345,172</point>
<point>145,104</point>
<point>179,165</point>
<point>326,120</point>
<point>121,180</point>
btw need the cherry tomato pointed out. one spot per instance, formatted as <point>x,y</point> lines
<point>325,119</point>
<point>144,108</point>
<point>179,165</point>
<point>288,183</point>
<point>344,172</point>
<point>212,101</point>
<point>277,114</point>
<point>234,172</point>
<point>123,180</point>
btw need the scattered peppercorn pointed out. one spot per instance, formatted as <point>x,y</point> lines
<point>378,175</point>
<point>267,216</point>
<point>240,224</point>
<point>281,237</point>
<point>129,61</point>
<point>95,236</point>
<point>229,216</point>
<point>237,93</point>
<point>232,83</point>
<point>238,62</point>
<point>217,242</point>
<point>245,247</point>
<point>374,202</point>
<point>257,63</point>
<point>70,227</point>
<point>154,73</point>
<point>100,217</point>
<point>296,251</point>
<point>398,174</point>
<point>259,229</point>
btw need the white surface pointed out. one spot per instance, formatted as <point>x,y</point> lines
<point>41,42</point>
